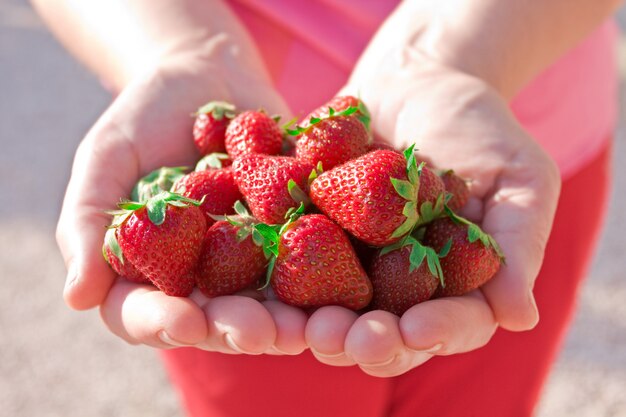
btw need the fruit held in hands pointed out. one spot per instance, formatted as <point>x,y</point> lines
<point>331,140</point>
<point>264,181</point>
<point>374,197</point>
<point>405,275</point>
<point>315,265</point>
<point>339,104</point>
<point>253,132</point>
<point>474,256</point>
<point>457,187</point>
<point>210,125</point>
<point>162,238</point>
<point>216,189</point>
<point>232,256</point>
<point>156,182</point>
<point>113,255</point>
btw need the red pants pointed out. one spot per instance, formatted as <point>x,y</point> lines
<point>502,379</point>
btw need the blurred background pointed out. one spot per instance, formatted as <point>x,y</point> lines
<point>56,362</point>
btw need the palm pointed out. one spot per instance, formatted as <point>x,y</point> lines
<point>149,126</point>
<point>456,122</point>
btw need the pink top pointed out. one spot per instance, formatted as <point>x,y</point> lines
<point>311,46</point>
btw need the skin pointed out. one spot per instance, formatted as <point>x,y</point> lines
<point>451,69</point>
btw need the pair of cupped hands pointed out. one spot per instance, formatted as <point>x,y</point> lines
<point>456,120</point>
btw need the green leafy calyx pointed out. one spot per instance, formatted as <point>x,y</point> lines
<point>270,237</point>
<point>298,130</point>
<point>408,189</point>
<point>212,161</point>
<point>419,253</point>
<point>157,181</point>
<point>156,206</point>
<point>475,233</point>
<point>218,110</point>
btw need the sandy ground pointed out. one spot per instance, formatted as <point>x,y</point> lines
<point>56,362</point>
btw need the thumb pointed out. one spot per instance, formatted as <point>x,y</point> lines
<point>93,188</point>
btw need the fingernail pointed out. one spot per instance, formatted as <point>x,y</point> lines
<point>431,350</point>
<point>72,275</point>
<point>279,351</point>
<point>380,364</point>
<point>533,305</point>
<point>228,339</point>
<point>327,355</point>
<point>165,338</point>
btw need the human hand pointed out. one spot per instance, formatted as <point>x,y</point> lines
<point>146,127</point>
<point>458,122</point>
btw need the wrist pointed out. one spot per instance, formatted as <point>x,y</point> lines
<point>455,36</point>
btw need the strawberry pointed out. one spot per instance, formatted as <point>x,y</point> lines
<point>474,256</point>
<point>210,125</point>
<point>332,140</point>
<point>162,238</point>
<point>375,197</point>
<point>113,255</point>
<point>156,182</point>
<point>339,104</point>
<point>215,187</point>
<point>253,132</point>
<point>457,187</point>
<point>232,256</point>
<point>431,195</point>
<point>401,278</point>
<point>214,160</point>
<point>271,184</point>
<point>314,264</point>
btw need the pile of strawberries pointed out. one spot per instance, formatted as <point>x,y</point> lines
<point>318,212</point>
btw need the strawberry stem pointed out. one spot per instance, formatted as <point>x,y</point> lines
<point>298,130</point>
<point>218,110</point>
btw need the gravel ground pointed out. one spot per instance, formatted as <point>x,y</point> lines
<point>56,362</point>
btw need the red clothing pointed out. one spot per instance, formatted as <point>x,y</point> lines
<point>310,47</point>
<point>503,378</point>
<point>570,109</point>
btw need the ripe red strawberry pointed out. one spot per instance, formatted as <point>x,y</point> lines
<point>339,104</point>
<point>332,140</point>
<point>374,197</point>
<point>216,186</point>
<point>474,257</point>
<point>431,195</point>
<point>315,265</point>
<point>264,181</point>
<point>162,238</point>
<point>232,257</point>
<point>253,132</point>
<point>114,256</point>
<point>404,275</point>
<point>457,187</point>
<point>210,126</point>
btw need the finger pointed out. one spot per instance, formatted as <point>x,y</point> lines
<point>93,188</point>
<point>375,343</point>
<point>238,325</point>
<point>325,334</point>
<point>447,326</point>
<point>290,324</point>
<point>142,314</point>
<point>520,216</point>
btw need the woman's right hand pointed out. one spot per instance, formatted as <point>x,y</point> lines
<point>148,126</point>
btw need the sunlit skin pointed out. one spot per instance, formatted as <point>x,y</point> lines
<point>436,78</point>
